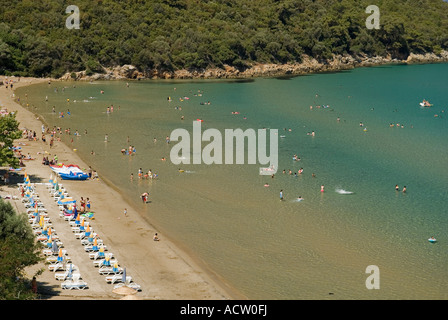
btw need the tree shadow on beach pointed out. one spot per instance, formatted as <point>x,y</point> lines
<point>16,177</point>
<point>47,291</point>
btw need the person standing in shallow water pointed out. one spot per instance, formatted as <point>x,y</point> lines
<point>281,195</point>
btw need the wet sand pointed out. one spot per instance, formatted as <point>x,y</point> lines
<point>161,268</point>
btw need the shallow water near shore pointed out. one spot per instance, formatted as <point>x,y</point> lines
<point>318,248</point>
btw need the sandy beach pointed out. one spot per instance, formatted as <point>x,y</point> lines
<point>161,268</point>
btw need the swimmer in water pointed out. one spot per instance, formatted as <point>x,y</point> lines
<point>266,184</point>
<point>396,188</point>
<point>404,189</point>
<point>322,188</point>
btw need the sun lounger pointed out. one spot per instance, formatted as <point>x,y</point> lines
<point>97,255</point>
<point>49,252</point>
<point>110,271</point>
<point>54,259</point>
<point>29,204</point>
<point>86,242</point>
<point>43,237</point>
<point>39,209</point>
<point>57,267</point>
<point>82,235</point>
<point>92,248</point>
<point>62,276</point>
<point>74,285</point>
<point>117,278</point>
<point>100,263</point>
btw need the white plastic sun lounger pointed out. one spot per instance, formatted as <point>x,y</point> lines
<point>117,278</point>
<point>110,271</point>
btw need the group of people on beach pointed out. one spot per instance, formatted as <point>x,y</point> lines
<point>9,83</point>
<point>141,175</point>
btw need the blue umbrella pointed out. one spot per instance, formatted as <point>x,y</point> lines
<point>70,272</point>
<point>37,218</point>
<point>55,248</point>
<point>106,261</point>
<point>101,253</point>
<point>75,213</point>
<point>124,276</point>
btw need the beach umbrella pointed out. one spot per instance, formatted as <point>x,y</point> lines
<point>123,278</point>
<point>41,221</point>
<point>124,290</point>
<point>51,179</point>
<point>60,256</point>
<point>45,231</point>
<point>81,227</point>
<point>63,200</point>
<point>49,232</point>
<point>87,233</point>
<point>90,237</point>
<point>101,253</point>
<point>55,248</point>
<point>95,245</point>
<point>37,220</point>
<point>77,219</point>
<point>70,272</point>
<point>115,268</point>
<point>106,261</point>
<point>50,242</point>
<point>75,212</point>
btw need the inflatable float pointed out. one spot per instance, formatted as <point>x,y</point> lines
<point>74,176</point>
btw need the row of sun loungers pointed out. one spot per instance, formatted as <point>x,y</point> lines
<point>57,257</point>
<point>95,247</point>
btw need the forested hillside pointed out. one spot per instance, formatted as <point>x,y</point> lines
<point>196,34</point>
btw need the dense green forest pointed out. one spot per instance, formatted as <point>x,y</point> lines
<point>195,34</point>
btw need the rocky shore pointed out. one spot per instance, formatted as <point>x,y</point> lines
<point>308,65</point>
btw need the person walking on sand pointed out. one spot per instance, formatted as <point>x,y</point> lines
<point>34,285</point>
<point>125,212</point>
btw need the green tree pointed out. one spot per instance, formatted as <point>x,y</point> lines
<point>9,131</point>
<point>18,250</point>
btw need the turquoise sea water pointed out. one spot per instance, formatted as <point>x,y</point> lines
<point>223,214</point>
